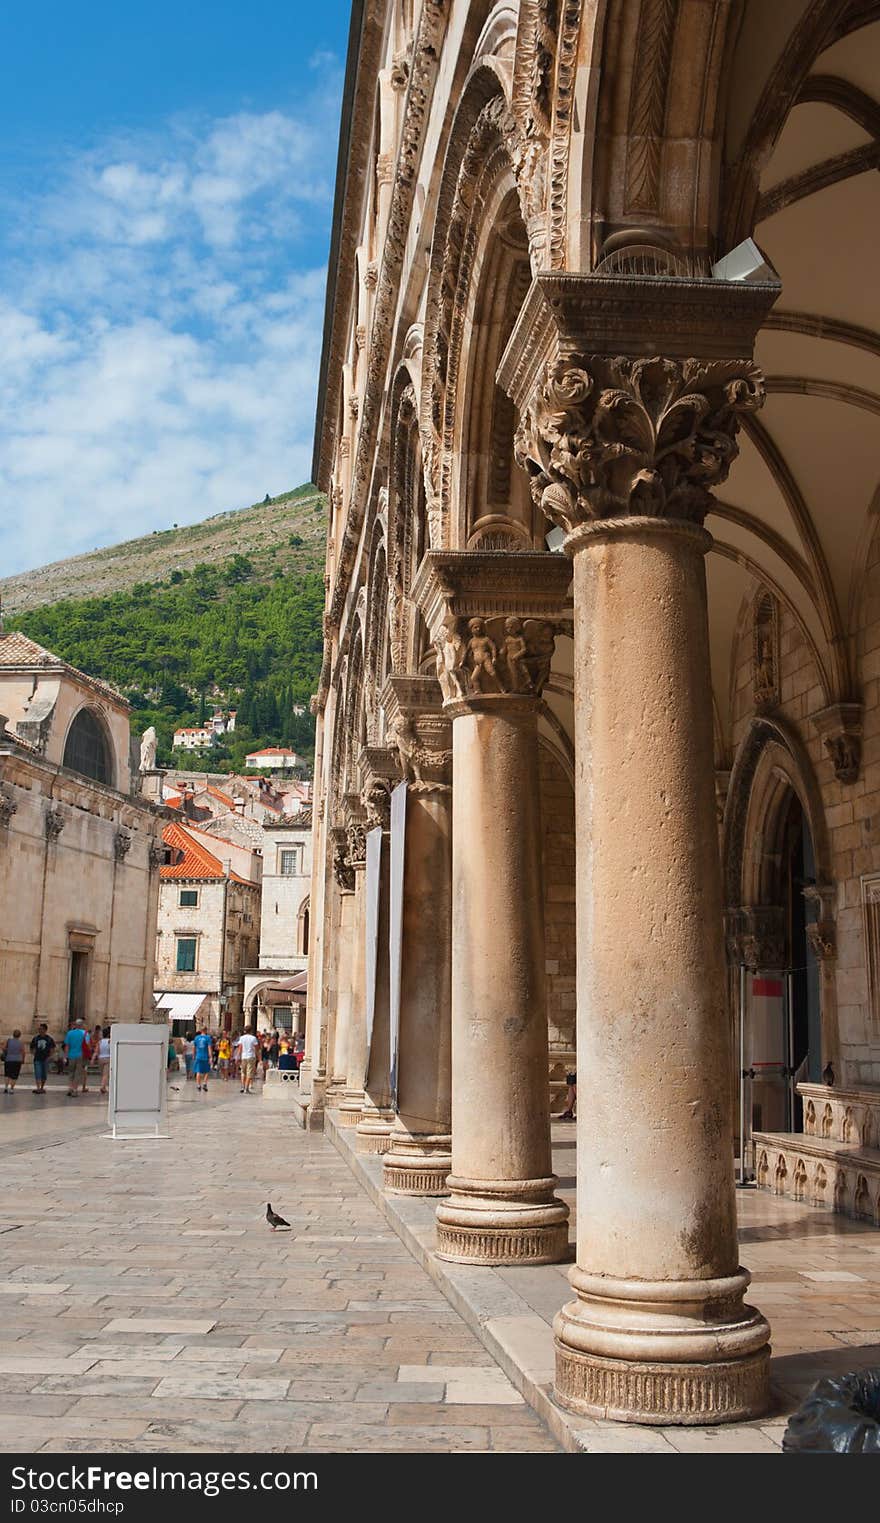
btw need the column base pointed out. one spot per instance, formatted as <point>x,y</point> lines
<point>334,1094</point>
<point>373,1129</point>
<point>688,1352</point>
<point>516,1221</point>
<point>351,1107</point>
<point>417,1163</point>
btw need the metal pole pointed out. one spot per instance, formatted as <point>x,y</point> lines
<point>789,988</point>
<point>742,1073</point>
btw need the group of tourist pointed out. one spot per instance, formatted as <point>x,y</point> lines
<point>78,1049</point>
<point>237,1055</point>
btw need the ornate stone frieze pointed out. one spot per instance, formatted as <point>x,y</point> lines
<point>631,392</point>
<point>840,726</point>
<point>121,845</point>
<point>8,808</point>
<point>421,731</point>
<point>425,59</point>
<point>53,824</point>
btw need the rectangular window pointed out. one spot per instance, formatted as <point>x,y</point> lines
<point>186,954</point>
<point>289,859</point>
<point>189,897</point>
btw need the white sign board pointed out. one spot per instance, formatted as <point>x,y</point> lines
<point>371,918</point>
<point>398,841</point>
<point>138,1095</point>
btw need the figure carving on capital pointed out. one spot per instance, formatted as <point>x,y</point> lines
<point>611,437</point>
<point>423,750</point>
<point>500,655</point>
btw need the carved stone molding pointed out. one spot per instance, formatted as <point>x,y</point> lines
<point>762,936</point>
<point>356,827</point>
<point>379,774</point>
<point>343,872</point>
<point>421,731</point>
<point>840,726</point>
<point>8,808</point>
<point>822,938</point>
<point>494,618</point>
<point>631,392</point>
<point>121,845</point>
<point>53,824</point>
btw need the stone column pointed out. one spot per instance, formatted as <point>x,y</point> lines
<point>491,617</point>
<point>341,936</point>
<point>622,453</point>
<point>353,1046</point>
<point>379,772</point>
<point>420,1158</point>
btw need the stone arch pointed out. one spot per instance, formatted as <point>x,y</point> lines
<point>780,1175</point>
<point>88,746</point>
<point>799,1182</point>
<point>376,634</point>
<point>862,1207</point>
<point>772,769</point>
<point>763,1171</point>
<point>407,525</point>
<point>480,164</point>
<point>820,1185</point>
<point>303,918</point>
<point>809,1119</point>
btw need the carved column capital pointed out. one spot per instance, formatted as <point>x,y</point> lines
<point>631,393</point>
<point>343,872</point>
<point>8,807</point>
<point>840,726</point>
<point>355,832</point>
<point>379,774</point>
<point>494,618</point>
<point>156,856</point>
<point>121,845</point>
<point>53,824</point>
<point>422,732</point>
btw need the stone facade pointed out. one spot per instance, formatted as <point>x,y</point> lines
<point>79,856</point>
<point>616,512</point>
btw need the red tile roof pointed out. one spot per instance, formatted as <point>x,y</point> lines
<point>18,651</point>
<point>197,861</point>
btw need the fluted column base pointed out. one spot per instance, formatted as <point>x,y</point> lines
<point>417,1163</point>
<point>374,1129</point>
<point>511,1221</point>
<point>351,1107</point>
<point>687,1352</point>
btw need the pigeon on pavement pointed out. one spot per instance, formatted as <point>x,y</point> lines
<point>274,1219</point>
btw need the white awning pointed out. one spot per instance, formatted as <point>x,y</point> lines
<point>180,1007</point>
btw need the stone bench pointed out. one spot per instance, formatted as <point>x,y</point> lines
<point>281,1086</point>
<point>841,1176</point>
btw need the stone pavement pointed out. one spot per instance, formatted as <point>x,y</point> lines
<point>816,1277</point>
<point>146,1306</point>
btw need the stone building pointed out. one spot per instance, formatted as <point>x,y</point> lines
<point>209,925</point>
<point>275,990</point>
<point>79,849</point>
<point>599,421</point>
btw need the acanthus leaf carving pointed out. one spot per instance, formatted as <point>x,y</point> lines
<point>612,436</point>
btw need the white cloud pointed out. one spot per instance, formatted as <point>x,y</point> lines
<point>160,324</point>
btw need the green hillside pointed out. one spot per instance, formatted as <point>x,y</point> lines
<point>244,632</point>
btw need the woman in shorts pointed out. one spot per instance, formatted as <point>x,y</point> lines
<point>13,1057</point>
<point>224,1052</point>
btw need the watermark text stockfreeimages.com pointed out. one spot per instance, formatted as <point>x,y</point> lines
<point>95,1478</point>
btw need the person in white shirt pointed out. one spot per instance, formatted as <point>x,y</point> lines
<point>103,1056</point>
<point>247,1054</point>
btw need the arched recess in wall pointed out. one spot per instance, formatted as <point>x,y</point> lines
<point>376,652</point>
<point>302,928</point>
<point>779,886</point>
<point>478,192</point>
<point>407,531</point>
<point>88,748</point>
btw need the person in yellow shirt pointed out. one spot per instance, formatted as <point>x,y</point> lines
<point>224,1053</point>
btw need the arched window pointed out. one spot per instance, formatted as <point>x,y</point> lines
<point>86,750</point>
<point>303,929</point>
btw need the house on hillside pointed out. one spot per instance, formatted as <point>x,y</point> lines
<point>80,849</point>
<point>272,759</point>
<point>208,927</point>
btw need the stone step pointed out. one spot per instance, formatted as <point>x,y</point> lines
<point>841,1176</point>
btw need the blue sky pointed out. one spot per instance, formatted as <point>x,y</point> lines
<point>166,182</point>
